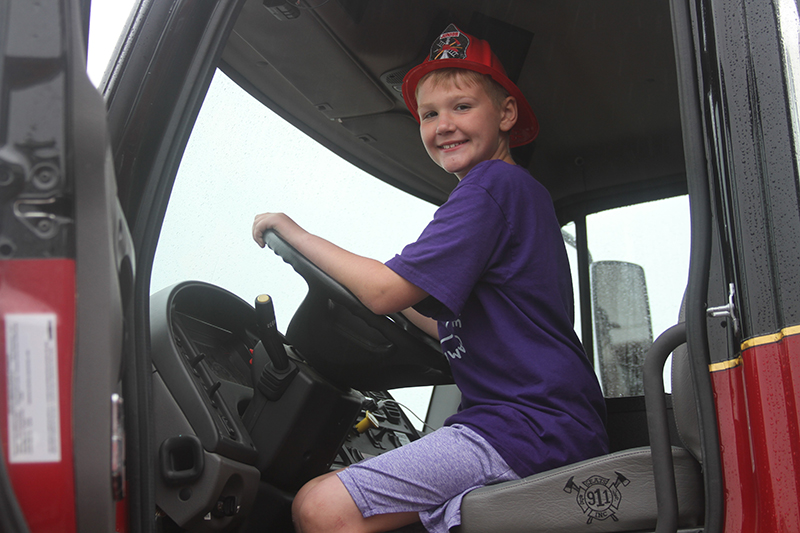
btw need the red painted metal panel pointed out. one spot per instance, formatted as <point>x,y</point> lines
<point>121,525</point>
<point>734,435</point>
<point>44,490</point>
<point>772,380</point>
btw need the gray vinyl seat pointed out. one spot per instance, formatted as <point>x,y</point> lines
<point>614,492</point>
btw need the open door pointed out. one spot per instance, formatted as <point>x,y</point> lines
<point>65,277</point>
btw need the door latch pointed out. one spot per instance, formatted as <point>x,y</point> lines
<point>728,310</point>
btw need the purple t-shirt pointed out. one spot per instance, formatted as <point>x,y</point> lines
<point>494,262</point>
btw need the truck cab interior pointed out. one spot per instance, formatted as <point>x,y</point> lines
<point>238,373</point>
<point>230,449</point>
<point>160,372</point>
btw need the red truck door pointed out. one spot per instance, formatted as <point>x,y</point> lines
<point>65,269</point>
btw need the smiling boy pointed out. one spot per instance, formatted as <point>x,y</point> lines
<point>460,124</point>
<point>491,274</point>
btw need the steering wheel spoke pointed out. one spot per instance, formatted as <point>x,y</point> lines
<point>350,345</point>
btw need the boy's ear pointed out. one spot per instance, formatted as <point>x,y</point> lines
<point>510,114</point>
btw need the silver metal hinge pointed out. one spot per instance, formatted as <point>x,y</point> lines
<point>728,310</point>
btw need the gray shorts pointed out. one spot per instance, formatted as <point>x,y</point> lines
<point>429,476</point>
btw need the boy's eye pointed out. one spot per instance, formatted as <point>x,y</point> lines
<point>429,114</point>
<point>462,107</point>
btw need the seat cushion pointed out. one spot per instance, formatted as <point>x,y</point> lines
<point>613,492</point>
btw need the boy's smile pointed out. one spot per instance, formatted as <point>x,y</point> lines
<point>461,126</point>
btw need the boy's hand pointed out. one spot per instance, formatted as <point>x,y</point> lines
<point>378,287</point>
<point>277,221</point>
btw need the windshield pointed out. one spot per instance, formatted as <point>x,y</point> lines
<point>242,160</point>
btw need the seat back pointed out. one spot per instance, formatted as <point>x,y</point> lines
<point>684,402</point>
<point>613,493</point>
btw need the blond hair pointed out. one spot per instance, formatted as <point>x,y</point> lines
<point>496,92</point>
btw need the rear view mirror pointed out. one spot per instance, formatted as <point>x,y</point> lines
<point>622,325</point>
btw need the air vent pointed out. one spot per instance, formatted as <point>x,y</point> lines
<point>282,10</point>
<point>392,411</point>
<point>396,76</point>
<point>393,80</point>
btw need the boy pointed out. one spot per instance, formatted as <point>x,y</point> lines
<point>491,269</point>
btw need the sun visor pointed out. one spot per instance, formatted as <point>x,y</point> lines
<point>304,53</point>
<point>396,136</point>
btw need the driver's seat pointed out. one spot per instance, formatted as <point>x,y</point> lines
<point>614,492</point>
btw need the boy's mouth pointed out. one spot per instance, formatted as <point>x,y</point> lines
<point>448,146</point>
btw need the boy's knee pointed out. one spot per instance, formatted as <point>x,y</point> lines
<point>303,513</point>
<point>302,508</point>
<point>320,506</point>
<point>311,514</point>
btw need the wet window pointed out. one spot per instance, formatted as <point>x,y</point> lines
<point>639,264</point>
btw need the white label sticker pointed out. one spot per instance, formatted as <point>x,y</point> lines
<point>34,421</point>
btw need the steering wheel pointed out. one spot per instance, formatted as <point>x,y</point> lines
<point>349,344</point>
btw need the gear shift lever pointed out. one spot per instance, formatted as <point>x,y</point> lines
<point>268,332</point>
<point>272,370</point>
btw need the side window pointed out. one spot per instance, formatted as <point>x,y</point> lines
<point>639,265</point>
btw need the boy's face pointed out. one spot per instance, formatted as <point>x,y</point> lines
<point>461,127</point>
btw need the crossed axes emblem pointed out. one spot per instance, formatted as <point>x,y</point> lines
<point>598,497</point>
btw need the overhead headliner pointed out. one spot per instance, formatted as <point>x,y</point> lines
<point>599,75</point>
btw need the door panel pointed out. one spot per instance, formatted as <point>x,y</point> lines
<point>63,245</point>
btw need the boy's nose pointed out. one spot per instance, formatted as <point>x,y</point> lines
<point>445,125</point>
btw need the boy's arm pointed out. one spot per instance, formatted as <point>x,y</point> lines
<point>377,286</point>
<point>426,324</point>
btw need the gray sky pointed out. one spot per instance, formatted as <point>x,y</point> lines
<point>106,22</point>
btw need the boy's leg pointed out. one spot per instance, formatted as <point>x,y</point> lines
<point>300,497</point>
<point>324,505</point>
<point>424,479</point>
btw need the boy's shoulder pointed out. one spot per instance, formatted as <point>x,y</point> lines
<point>510,186</point>
<point>496,167</point>
<point>494,174</point>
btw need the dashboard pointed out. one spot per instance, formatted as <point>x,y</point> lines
<point>221,446</point>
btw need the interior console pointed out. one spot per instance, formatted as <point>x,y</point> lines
<point>238,409</point>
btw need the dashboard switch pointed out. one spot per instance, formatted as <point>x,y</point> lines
<point>226,506</point>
